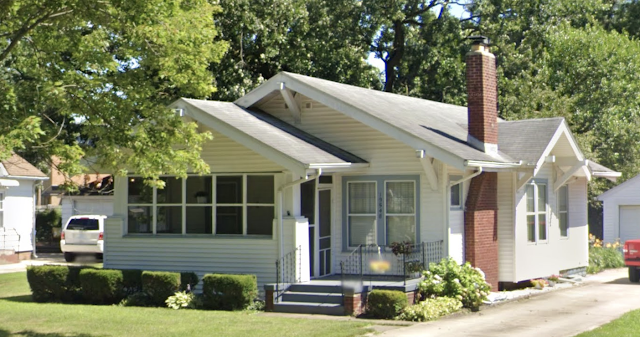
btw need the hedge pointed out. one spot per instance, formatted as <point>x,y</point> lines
<point>386,303</point>
<point>228,292</point>
<point>102,286</point>
<point>51,283</point>
<point>159,285</point>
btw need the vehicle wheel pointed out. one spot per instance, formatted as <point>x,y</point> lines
<point>99,256</point>
<point>634,274</point>
<point>69,257</point>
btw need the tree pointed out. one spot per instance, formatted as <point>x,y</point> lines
<point>84,79</point>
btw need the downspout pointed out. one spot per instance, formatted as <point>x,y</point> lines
<point>281,201</point>
<point>475,174</point>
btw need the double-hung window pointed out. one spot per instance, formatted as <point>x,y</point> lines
<point>455,201</point>
<point>380,210</point>
<point>536,194</point>
<point>225,204</point>
<point>563,210</point>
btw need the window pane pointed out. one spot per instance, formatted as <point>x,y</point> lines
<point>260,189</point>
<point>542,198</point>
<point>362,198</point>
<point>199,220</point>
<point>169,220</point>
<point>531,228</point>
<point>562,217</point>
<point>401,228</point>
<point>400,198</point>
<point>530,199</point>
<point>199,190</point>
<point>139,193</point>
<point>562,198</point>
<point>229,190</point>
<point>362,230</point>
<point>455,195</point>
<point>307,200</point>
<point>260,220</point>
<point>229,220</point>
<point>325,243</point>
<point>542,227</point>
<point>83,225</point>
<point>139,219</point>
<point>172,191</point>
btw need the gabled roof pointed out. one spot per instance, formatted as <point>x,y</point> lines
<point>276,140</point>
<point>17,167</point>
<point>528,139</point>
<point>438,128</point>
<point>629,183</point>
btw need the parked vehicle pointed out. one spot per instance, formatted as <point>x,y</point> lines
<point>83,234</point>
<point>631,251</point>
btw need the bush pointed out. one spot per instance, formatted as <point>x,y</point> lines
<point>449,279</point>
<point>228,292</point>
<point>160,285</point>
<point>55,283</point>
<point>101,286</point>
<point>430,309</point>
<point>46,220</point>
<point>139,299</point>
<point>131,281</point>
<point>183,300</point>
<point>603,256</point>
<point>188,281</point>
<point>386,303</point>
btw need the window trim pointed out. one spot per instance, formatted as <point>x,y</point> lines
<point>566,211</point>
<point>380,206</point>
<point>535,183</point>
<point>348,213</point>
<point>460,188</point>
<point>213,204</point>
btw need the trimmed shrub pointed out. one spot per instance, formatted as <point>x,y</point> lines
<point>228,292</point>
<point>139,299</point>
<point>131,281</point>
<point>51,283</point>
<point>160,285</point>
<point>188,280</point>
<point>430,309</point>
<point>449,279</point>
<point>101,286</point>
<point>386,303</point>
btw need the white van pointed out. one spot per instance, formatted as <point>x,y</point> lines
<point>83,234</point>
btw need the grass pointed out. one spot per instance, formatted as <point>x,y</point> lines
<point>19,316</point>
<point>627,325</point>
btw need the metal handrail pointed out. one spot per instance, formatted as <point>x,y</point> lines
<point>288,270</point>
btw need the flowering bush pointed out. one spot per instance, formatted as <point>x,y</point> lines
<point>449,279</point>
<point>603,256</point>
<point>539,283</point>
<point>430,309</point>
<point>554,278</point>
<point>182,300</point>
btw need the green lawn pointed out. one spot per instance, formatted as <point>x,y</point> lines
<point>19,316</point>
<point>627,325</point>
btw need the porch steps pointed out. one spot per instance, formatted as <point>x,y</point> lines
<point>311,299</point>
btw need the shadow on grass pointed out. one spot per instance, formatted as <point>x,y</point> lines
<point>21,298</point>
<point>30,333</point>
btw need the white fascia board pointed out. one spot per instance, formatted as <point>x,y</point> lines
<point>562,129</point>
<point>9,183</point>
<point>393,131</point>
<point>493,166</point>
<point>27,178</point>
<point>242,138</point>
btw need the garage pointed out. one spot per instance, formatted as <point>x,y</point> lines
<point>629,222</point>
<point>621,211</point>
<point>85,205</point>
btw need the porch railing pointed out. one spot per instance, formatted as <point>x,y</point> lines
<point>288,270</point>
<point>377,260</point>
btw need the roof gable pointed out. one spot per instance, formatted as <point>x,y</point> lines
<point>16,166</point>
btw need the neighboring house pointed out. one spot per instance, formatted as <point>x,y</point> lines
<point>18,180</point>
<point>52,193</point>
<point>329,168</point>
<point>95,198</point>
<point>621,211</point>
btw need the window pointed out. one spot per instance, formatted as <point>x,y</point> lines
<point>1,210</point>
<point>239,204</point>
<point>536,194</point>
<point>563,210</point>
<point>455,193</point>
<point>380,210</point>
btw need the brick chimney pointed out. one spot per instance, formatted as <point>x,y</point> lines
<point>482,96</point>
<point>481,213</point>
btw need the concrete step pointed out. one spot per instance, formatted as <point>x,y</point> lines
<point>313,297</point>
<point>309,308</point>
<point>315,288</point>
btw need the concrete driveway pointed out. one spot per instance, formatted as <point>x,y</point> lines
<point>601,299</point>
<point>47,258</point>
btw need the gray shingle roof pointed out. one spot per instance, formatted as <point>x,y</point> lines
<point>527,139</point>
<point>18,167</point>
<point>440,124</point>
<point>276,134</point>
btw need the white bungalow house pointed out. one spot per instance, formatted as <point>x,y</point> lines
<point>324,168</point>
<point>18,180</point>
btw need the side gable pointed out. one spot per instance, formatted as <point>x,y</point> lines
<point>630,183</point>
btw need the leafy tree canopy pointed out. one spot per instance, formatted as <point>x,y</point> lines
<point>91,79</point>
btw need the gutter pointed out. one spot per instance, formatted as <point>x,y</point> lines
<point>489,164</point>
<point>26,178</point>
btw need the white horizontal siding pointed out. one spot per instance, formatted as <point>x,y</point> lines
<point>506,227</point>
<point>627,195</point>
<point>199,255</point>
<point>19,213</point>
<point>226,155</point>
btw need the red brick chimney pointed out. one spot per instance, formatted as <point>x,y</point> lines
<point>482,96</point>
<point>481,213</point>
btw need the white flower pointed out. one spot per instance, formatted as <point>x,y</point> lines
<point>456,280</point>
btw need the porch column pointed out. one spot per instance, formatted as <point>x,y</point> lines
<point>296,235</point>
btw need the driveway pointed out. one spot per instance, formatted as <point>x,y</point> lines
<point>567,312</point>
<point>47,258</point>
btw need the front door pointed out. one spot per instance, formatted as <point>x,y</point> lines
<point>319,216</point>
